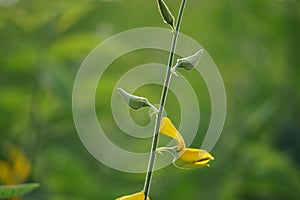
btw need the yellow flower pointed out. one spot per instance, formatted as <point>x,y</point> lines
<point>16,169</point>
<point>193,158</point>
<point>186,158</point>
<point>5,172</point>
<point>137,196</point>
<point>168,129</point>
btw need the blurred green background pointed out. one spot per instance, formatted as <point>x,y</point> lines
<point>255,44</point>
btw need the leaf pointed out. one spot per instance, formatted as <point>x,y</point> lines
<point>133,101</point>
<point>165,13</point>
<point>190,62</point>
<point>7,191</point>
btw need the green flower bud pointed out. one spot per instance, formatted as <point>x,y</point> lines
<point>133,101</point>
<point>190,62</point>
<point>165,13</point>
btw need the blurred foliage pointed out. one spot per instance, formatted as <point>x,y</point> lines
<point>255,45</point>
<point>15,191</point>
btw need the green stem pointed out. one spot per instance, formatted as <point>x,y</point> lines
<point>162,103</point>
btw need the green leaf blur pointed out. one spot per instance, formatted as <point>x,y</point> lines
<point>16,190</point>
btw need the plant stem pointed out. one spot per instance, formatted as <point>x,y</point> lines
<point>162,103</point>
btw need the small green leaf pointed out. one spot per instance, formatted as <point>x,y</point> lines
<point>165,13</point>
<point>7,191</point>
<point>133,101</point>
<point>190,62</point>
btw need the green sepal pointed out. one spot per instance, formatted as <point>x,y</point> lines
<point>133,101</point>
<point>190,62</point>
<point>166,13</point>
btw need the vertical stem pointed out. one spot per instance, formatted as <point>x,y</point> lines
<point>162,103</point>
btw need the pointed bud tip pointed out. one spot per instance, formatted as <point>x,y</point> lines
<point>189,62</point>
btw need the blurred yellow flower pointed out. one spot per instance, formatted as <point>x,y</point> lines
<point>186,158</point>
<point>16,169</point>
<point>137,196</point>
<point>5,172</point>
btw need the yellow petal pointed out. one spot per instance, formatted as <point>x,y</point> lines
<point>168,129</point>
<point>137,196</point>
<point>195,155</point>
<point>193,158</point>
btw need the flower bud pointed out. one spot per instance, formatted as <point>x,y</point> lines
<point>165,13</point>
<point>190,62</point>
<point>133,101</point>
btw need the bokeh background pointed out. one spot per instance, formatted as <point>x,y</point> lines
<point>256,46</point>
